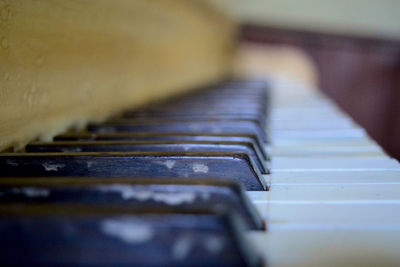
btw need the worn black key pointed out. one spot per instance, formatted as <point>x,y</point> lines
<point>207,137</point>
<point>248,85</point>
<point>205,115</point>
<point>199,126</point>
<point>220,103</point>
<point>215,101</point>
<point>138,194</point>
<point>216,106</point>
<point>74,236</point>
<point>220,165</point>
<point>152,146</point>
<point>250,111</point>
<point>224,96</point>
<point>227,90</point>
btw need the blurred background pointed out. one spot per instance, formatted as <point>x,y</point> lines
<point>354,44</point>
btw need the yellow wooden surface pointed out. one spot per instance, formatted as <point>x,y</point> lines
<point>63,63</point>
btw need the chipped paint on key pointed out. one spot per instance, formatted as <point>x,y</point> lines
<point>235,166</point>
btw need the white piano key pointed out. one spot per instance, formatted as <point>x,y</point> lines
<point>341,247</point>
<point>306,113</point>
<point>292,89</point>
<point>285,95</point>
<point>334,197</point>
<point>310,114</point>
<point>314,124</point>
<point>319,134</point>
<point>329,193</point>
<point>280,215</point>
<point>323,142</point>
<point>302,102</point>
<point>299,98</point>
<point>297,164</point>
<point>357,177</point>
<point>321,151</point>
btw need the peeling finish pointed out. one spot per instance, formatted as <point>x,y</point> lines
<point>168,163</point>
<point>184,244</point>
<point>11,162</point>
<point>170,198</point>
<point>89,164</point>
<point>214,244</point>
<point>31,191</point>
<point>182,247</point>
<point>175,198</point>
<point>199,167</point>
<point>127,230</point>
<point>71,150</point>
<point>205,195</point>
<point>52,167</point>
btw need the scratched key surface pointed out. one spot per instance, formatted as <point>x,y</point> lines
<point>136,240</point>
<point>206,137</point>
<point>189,165</point>
<point>138,194</point>
<point>236,126</point>
<point>153,146</point>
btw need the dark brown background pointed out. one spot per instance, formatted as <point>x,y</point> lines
<point>362,75</point>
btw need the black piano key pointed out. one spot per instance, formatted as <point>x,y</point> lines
<point>227,90</point>
<point>190,165</point>
<point>222,95</point>
<point>152,146</point>
<point>139,194</point>
<point>204,115</point>
<point>47,237</point>
<point>67,210</point>
<point>220,103</point>
<point>249,111</point>
<point>249,84</point>
<point>216,101</point>
<point>216,105</point>
<point>199,126</point>
<point>207,137</point>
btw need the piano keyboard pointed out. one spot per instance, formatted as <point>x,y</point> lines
<point>206,179</point>
<point>161,186</point>
<point>334,198</point>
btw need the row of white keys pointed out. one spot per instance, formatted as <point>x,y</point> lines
<point>335,194</point>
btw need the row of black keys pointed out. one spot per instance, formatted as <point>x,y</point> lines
<point>196,153</point>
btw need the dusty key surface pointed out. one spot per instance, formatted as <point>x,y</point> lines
<point>45,238</point>
<point>152,146</point>
<point>137,194</point>
<point>220,165</point>
<point>198,126</point>
<point>204,137</point>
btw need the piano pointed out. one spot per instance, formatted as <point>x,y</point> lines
<point>256,172</point>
